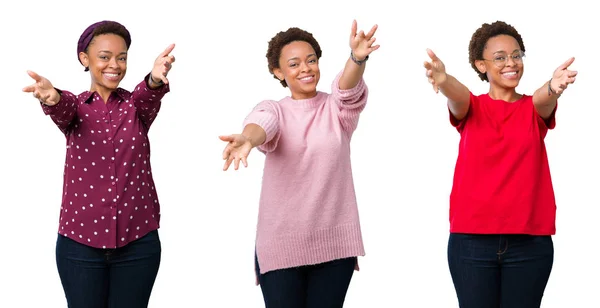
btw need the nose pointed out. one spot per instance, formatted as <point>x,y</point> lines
<point>112,62</point>
<point>510,61</point>
<point>304,67</point>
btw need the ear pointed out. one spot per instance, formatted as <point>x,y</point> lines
<point>278,73</point>
<point>83,57</point>
<point>480,64</point>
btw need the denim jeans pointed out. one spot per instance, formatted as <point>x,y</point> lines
<point>108,278</point>
<point>321,285</point>
<point>500,271</point>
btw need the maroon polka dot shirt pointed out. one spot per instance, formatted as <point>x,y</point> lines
<point>109,198</point>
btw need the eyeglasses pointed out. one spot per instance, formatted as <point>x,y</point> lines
<point>501,59</point>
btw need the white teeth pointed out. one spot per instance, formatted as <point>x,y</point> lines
<point>111,75</point>
<point>510,73</point>
<point>306,78</point>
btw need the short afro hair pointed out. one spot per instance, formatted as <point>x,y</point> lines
<point>481,37</point>
<point>283,38</point>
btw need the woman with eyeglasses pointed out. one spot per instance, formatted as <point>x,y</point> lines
<point>502,205</point>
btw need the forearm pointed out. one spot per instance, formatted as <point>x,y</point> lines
<point>545,100</point>
<point>459,96</point>
<point>352,74</point>
<point>255,134</point>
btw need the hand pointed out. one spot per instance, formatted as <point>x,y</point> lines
<point>237,150</point>
<point>361,43</point>
<point>435,71</point>
<point>43,90</point>
<point>562,77</point>
<point>162,65</point>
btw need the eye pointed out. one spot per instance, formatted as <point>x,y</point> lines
<point>293,64</point>
<point>517,56</point>
<point>312,61</point>
<point>103,57</point>
<point>500,58</point>
<point>122,59</point>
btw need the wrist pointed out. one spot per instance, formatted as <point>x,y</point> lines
<point>356,60</point>
<point>153,81</point>
<point>550,89</point>
<point>249,140</point>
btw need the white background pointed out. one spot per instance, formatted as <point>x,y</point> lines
<point>403,151</point>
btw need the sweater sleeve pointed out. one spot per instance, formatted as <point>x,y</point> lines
<point>266,116</point>
<point>350,101</point>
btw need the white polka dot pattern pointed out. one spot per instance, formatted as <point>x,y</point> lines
<point>109,198</point>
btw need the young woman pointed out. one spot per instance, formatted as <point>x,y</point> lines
<point>108,250</point>
<point>308,234</point>
<point>502,207</point>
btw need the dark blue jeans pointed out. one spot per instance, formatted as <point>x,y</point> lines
<point>500,271</point>
<point>108,278</point>
<point>312,286</point>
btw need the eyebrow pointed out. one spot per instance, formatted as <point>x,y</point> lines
<point>108,51</point>
<point>296,58</point>
<point>502,51</point>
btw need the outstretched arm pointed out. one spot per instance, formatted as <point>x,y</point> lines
<point>361,46</point>
<point>546,97</point>
<point>61,106</point>
<point>459,96</point>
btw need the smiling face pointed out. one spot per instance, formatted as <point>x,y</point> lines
<point>106,58</point>
<point>299,66</point>
<point>503,62</point>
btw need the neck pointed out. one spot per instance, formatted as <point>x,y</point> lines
<point>103,92</point>
<point>505,94</point>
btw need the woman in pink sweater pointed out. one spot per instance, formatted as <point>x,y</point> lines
<point>308,234</point>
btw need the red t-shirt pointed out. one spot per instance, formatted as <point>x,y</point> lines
<point>502,182</point>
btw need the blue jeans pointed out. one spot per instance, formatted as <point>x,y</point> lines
<point>108,278</point>
<point>500,271</point>
<point>321,285</point>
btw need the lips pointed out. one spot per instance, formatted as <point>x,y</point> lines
<point>112,76</point>
<point>510,75</point>
<point>307,79</point>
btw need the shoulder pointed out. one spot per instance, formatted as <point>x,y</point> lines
<point>122,93</point>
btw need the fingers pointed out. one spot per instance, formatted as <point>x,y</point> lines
<point>236,162</point>
<point>353,29</point>
<point>227,163</point>
<point>372,32</point>
<point>226,138</point>
<point>566,64</point>
<point>34,75</point>
<point>29,89</point>
<point>432,55</point>
<point>167,51</point>
<point>164,79</point>
<point>571,73</point>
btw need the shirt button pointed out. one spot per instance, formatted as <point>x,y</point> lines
<point>113,183</point>
<point>109,138</point>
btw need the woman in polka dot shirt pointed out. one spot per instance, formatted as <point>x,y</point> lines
<point>108,250</point>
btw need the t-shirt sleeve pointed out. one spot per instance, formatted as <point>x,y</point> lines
<point>459,124</point>
<point>548,123</point>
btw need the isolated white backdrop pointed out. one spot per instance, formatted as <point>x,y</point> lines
<point>403,151</point>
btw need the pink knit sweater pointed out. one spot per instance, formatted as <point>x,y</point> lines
<point>308,212</point>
